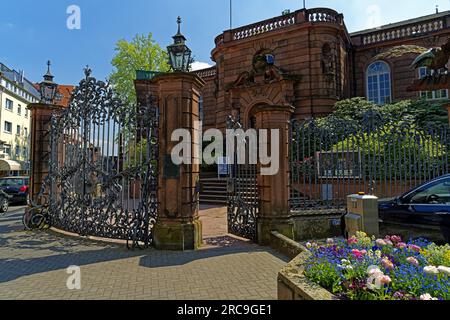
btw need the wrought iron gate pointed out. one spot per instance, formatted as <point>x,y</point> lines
<point>243,194</point>
<point>332,158</point>
<point>103,175</point>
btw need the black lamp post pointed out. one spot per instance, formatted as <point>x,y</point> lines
<point>179,54</point>
<point>48,88</point>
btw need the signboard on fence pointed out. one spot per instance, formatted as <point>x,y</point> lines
<point>222,166</point>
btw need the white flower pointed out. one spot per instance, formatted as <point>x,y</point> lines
<point>374,271</point>
<point>309,245</point>
<point>330,241</point>
<point>426,297</point>
<point>431,270</point>
<point>444,270</point>
<point>345,264</point>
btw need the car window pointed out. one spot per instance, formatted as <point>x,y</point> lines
<point>11,182</point>
<point>437,193</point>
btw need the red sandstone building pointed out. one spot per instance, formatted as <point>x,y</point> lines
<point>309,60</point>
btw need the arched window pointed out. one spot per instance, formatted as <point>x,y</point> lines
<point>379,83</point>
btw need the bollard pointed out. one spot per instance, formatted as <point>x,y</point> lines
<point>362,215</point>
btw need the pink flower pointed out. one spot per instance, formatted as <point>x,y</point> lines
<point>413,261</point>
<point>396,239</point>
<point>387,264</point>
<point>401,245</point>
<point>414,247</point>
<point>381,243</point>
<point>358,254</point>
<point>385,280</point>
<point>389,242</point>
<point>352,240</point>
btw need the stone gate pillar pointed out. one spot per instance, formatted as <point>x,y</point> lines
<point>41,115</point>
<point>178,226</point>
<point>275,189</point>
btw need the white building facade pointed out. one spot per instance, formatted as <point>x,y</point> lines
<point>16,93</point>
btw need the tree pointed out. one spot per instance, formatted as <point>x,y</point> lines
<point>142,53</point>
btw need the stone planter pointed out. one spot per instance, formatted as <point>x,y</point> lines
<point>293,284</point>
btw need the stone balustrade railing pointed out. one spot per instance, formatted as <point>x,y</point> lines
<point>324,15</point>
<point>264,26</point>
<point>204,73</point>
<point>417,29</point>
<point>317,15</point>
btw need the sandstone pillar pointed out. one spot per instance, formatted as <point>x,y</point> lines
<point>275,189</point>
<point>41,115</point>
<point>178,226</point>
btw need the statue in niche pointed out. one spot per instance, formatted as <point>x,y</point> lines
<point>328,60</point>
<point>329,68</point>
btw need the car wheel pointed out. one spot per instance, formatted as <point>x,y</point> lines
<point>4,205</point>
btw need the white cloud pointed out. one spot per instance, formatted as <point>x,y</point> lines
<point>198,65</point>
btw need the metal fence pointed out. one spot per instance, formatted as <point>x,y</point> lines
<point>332,158</point>
<point>103,175</point>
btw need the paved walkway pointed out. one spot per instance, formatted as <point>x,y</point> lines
<point>33,266</point>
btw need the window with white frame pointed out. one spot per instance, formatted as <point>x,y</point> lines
<point>8,127</point>
<point>18,130</point>
<point>7,150</point>
<point>17,151</point>
<point>378,79</point>
<point>19,110</point>
<point>26,113</point>
<point>9,105</point>
<point>431,95</point>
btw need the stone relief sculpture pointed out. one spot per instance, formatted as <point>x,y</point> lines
<point>435,59</point>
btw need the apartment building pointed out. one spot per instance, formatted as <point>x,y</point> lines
<point>16,92</point>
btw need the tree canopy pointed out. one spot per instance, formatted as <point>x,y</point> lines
<point>141,53</point>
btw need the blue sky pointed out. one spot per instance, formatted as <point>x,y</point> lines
<point>33,31</point>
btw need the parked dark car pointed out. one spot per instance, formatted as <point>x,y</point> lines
<point>4,202</point>
<point>16,187</point>
<point>421,212</point>
<point>425,208</point>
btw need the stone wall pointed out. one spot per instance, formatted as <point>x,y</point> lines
<point>314,52</point>
<point>328,63</point>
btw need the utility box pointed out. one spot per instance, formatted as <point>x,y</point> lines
<point>362,215</point>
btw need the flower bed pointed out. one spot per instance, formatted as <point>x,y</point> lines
<point>364,268</point>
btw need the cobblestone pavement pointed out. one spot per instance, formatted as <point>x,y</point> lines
<point>33,266</point>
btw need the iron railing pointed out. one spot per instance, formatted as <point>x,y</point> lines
<point>331,159</point>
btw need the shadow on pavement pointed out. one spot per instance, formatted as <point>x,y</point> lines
<point>54,252</point>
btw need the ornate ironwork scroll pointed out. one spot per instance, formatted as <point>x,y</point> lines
<point>104,166</point>
<point>332,158</point>
<point>243,194</point>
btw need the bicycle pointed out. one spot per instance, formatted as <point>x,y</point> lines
<point>35,219</point>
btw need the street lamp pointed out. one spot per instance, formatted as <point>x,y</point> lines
<point>48,88</point>
<point>179,54</point>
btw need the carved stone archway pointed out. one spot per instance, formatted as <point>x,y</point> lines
<point>263,85</point>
